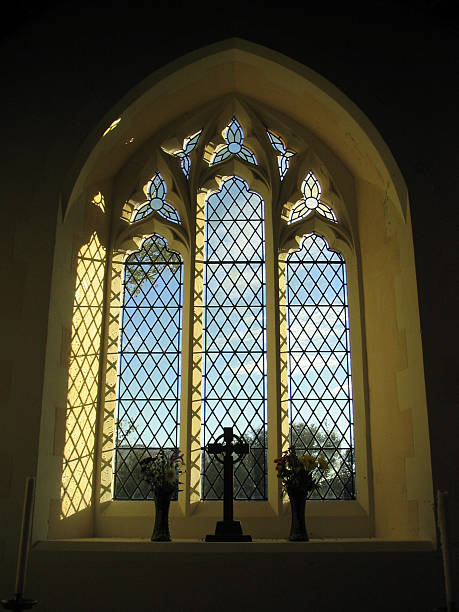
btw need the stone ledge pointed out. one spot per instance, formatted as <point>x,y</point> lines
<point>257,546</point>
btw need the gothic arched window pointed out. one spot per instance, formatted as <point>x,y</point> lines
<point>325,178</point>
<point>236,332</point>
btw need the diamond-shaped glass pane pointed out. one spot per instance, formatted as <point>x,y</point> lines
<point>234,336</point>
<point>149,363</point>
<point>319,363</point>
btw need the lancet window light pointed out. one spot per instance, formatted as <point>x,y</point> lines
<point>319,362</point>
<point>234,335</point>
<point>235,343</point>
<point>149,381</point>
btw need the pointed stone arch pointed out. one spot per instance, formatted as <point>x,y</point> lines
<point>359,176</point>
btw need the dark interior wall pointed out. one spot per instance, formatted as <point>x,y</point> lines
<point>64,66</point>
<point>245,581</point>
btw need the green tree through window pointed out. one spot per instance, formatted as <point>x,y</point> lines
<point>149,363</point>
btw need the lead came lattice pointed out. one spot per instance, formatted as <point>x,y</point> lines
<point>149,363</point>
<point>234,336</point>
<point>319,363</point>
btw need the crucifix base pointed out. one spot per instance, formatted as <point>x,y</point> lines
<point>18,603</point>
<point>228,531</point>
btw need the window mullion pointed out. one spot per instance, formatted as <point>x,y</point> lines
<point>275,419</point>
<point>188,440</point>
<point>193,442</point>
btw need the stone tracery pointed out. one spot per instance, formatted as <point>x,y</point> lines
<point>232,159</point>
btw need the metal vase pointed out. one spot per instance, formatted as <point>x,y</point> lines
<point>298,531</point>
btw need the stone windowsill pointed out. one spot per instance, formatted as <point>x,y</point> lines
<point>258,546</point>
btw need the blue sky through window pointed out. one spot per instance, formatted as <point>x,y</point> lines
<point>319,362</point>
<point>151,343</point>
<point>234,326</point>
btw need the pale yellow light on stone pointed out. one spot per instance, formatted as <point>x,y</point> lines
<point>108,415</point>
<point>284,417</point>
<point>83,380</point>
<point>99,201</point>
<point>196,398</point>
<point>111,127</point>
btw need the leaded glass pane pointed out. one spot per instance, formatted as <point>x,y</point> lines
<point>234,133</point>
<point>234,336</point>
<point>149,363</point>
<point>156,191</point>
<point>319,363</point>
<point>221,154</point>
<point>283,159</point>
<point>188,146</point>
<point>276,142</point>
<point>234,138</point>
<point>246,155</point>
<point>326,212</point>
<point>312,192</point>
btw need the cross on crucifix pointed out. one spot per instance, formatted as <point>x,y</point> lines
<point>228,530</point>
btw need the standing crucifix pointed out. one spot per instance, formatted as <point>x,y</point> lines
<point>228,530</point>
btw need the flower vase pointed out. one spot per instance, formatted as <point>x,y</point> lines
<point>298,532</point>
<point>161,528</point>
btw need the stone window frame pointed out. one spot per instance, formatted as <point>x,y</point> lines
<point>190,514</point>
<point>303,106</point>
